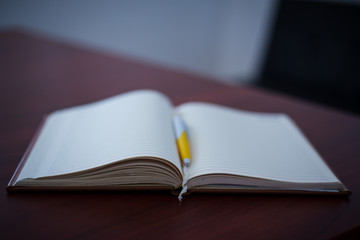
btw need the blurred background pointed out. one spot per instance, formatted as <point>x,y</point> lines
<point>309,49</point>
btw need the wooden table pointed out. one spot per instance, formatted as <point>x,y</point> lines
<point>38,75</point>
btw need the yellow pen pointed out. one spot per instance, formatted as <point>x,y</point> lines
<point>182,140</point>
<point>184,150</point>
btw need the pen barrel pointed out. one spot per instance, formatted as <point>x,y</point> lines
<point>183,146</point>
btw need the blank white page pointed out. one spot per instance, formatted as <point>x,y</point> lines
<point>135,124</point>
<point>269,146</point>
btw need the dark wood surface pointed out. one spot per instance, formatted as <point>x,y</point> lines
<point>39,75</point>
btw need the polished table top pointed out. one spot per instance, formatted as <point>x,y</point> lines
<point>39,75</point>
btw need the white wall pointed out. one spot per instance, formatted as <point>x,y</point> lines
<point>223,39</point>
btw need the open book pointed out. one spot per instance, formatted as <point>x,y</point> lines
<point>128,142</point>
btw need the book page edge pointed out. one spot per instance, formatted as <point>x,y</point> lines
<point>342,193</point>
<point>26,154</point>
